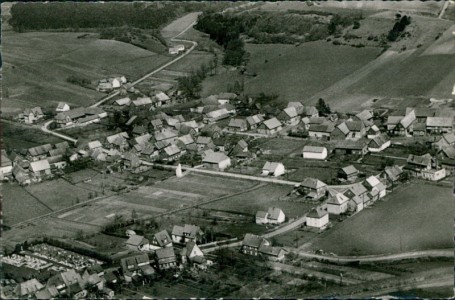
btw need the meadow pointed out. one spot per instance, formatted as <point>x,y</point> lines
<point>20,137</point>
<point>417,216</point>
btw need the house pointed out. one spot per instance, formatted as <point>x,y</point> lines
<point>261,217</point>
<point>68,282</point>
<point>392,124</point>
<point>28,288</point>
<point>136,265</point>
<point>313,188</point>
<point>337,202</point>
<point>190,252</point>
<point>418,163</point>
<point>314,152</point>
<point>254,121</point>
<point>340,132</point>
<point>56,162</point>
<point>123,102</point>
<point>355,203</point>
<point>373,132</point>
<point>349,147</point>
<point>186,233</point>
<point>131,160</point>
<point>204,142</point>
<point>356,130</point>
<point>216,115</point>
<point>271,253</point>
<point>38,152</point>
<point>310,112</point>
<point>93,145</point>
<point>289,116</point>
<point>165,258</point>
<point>142,101</point>
<point>422,113</point>
<point>172,152</point>
<point>419,129</point>
<point>240,147</point>
<point>186,139</point>
<point>373,183</point>
<point>161,99</point>
<point>137,243</point>
<point>366,116</point>
<point>40,168</point>
<point>21,175</point>
<point>446,140</point>
<point>434,174</point>
<point>273,169</point>
<point>236,124</point>
<point>166,136</point>
<point>349,173</point>
<point>392,174</point>
<point>225,98</point>
<point>270,126</point>
<point>31,115</point>
<point>275,215</point>
<point>439,125</point>
<point>118,141</point>
<point>320,131</point>
<point>217,161</point>
<point>212,130</point>
<point>360,191</point>
<point>317,218</point>
<point>62,106</point>
<point>378,144</point>
<point>406,124</point>
<point>161,239</point>
<point>298,106</point>
<point>251,244</point>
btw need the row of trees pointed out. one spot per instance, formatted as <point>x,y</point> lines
<point>398,28</point>
<point>191,85</point>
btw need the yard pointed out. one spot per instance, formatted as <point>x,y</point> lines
<point>417,216</point>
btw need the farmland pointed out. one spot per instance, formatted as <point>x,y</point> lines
<point>37,64</point>
<point>16,136</point>
<point>390,226</point>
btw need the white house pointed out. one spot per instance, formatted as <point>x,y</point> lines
<point>337,202</point>
<point>217,161</point>
<point>261,217</point>
<point>378,143</point>
<point>314,152</point>
<point>62,106</point>
<point>273,169</point>
<point>273,215</point>
<point>317,218</point>
<point>433,175</point>
<point>270,126</point>
<point>374,184</point>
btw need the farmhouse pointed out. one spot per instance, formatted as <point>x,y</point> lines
<point>422,113</point>
<point>217,161</point>
<point>337,202</point>
<point>310,112</point>
<point>314,152</point>
<point>272,253</point>
<point>392,174</point>
<point>251,244</point>
<point>21,175</point>
<point>439,124</point>
<point>289,116</point>
<point>31,115</point>
<point>273,169</point>
<point>161,240</point>
<point>204,142</point>
<point>187,233</point>
<point>418,163</point>
<point>40,168</point>
<point>225,98</point>
<point>166,136</point>
<point>356,130</point>
<point>216,115</point>
<point>137,243</point>
<point>340,132</point>
<point>433,175</point>
<point>119,140</point>
<point>349,147</point>
<point>373,132</point>
<point>274,215</point>
<point>172,152</point>
<point>372,183</point>
<point>378,144</point>
<point>446,140</point>
<point>190,252</point>
<point>142,101</point>
<point>62,106</point>
<point>240,147</point>
<point>28,288</point>
<point>38,152</point>
<point>320,131</point>
<point>161,99</point>
<point>313,188</point>
<point>123,102</point>
<point>254,121</point>
<point>365,116</point>
<point>358,190</point>
<point>298,106</point>
<point>317,218</point>
<point>165,258</point>
<point>238,125</point>
<point>355,203</point>
<point>349,173</point>
<point>270,126</point>
<point>135,265</point>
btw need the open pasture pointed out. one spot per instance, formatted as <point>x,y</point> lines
<point>417,216</point>
<point>17,136</point>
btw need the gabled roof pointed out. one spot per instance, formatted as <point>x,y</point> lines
<point>165,134</point>
<point>40,150</point>
<point>113,137</point>
<point>269,250</point>
<point>161,96</point>
<point>379,140</point>
<point>123,101</point>
<point>421,112</point>
<point>343,127</point>
<point>254,120</point>
<point>272,123</point>
<point>449,137</point>
<point>204,140</point>
<point>143,138</point>
<point>177,230</point>
<point>364,115</point>
<point>62,145</point>
<point>242,144</point>
<point>327,128</point>
<point>439,122</point>
<point>358,189</point>
<point>317,213</point>
<point>142,101</point>
<point>40,165</point>
<point>373,128</point>
<point>337,198</point>
<point>28,287</point>
<point>262,214</point>
<point>162,238</point>
<point>422,160</point>
<point>349,144</point>
<point>350,170</point>
<point>238,123</point>
<point>172,150</point>
<point>252,240</point>
<point>156,122</point>
<point>310,110</point>
<point>163,253</point>
<point>61,105</point>
<point>274,213</point>
<point>271,166</point>
<point>373,181</point>
<point>225,95</point>
<point>314,149</point>
<point>394,120</point>
<point>215,157</point>
<point>312,183</point>
<point>408,119</point>
<point>136,240</point>
<point>186,139</point>
<point>393,172</point>
<point>291,111</point>
<point>355,125</point>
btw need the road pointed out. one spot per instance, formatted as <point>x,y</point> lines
<point>444,8</point>
<point>62,136</point>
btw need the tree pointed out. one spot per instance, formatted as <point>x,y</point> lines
<point>133,214</point>
<point>323,108</point>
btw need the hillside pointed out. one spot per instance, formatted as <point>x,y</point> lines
<point>37,64</point>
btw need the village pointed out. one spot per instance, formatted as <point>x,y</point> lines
<point>219,134</point>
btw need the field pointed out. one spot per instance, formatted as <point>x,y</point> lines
<point>19,137</point>
<point>177,26</point>
<point>293,73</point>
<point>416,216</point>
<point>18,205</point>
<point>191,62</point>
<point>37,64</point>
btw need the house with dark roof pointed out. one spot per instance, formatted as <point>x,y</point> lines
<point>270,127</point>
<point>186,233</point>
<point>378,143</point>
<point>254,121</point>
<point>348,173</point>
<point>356,130</point>
<point>251,244</point>
<point>392,174</point>
<point>438,125</point>
<point>313,188</point>
<point>38,152</point>
<point>136,265</point>
<point>28,288</point>
<point>237,124</point>
<point>67,283</point>
<point>165,258</point>
<point>421,113</point>
<point>161,239</point>
<point>272,253</point>
<point>321,131</point>
<point>31,115</point>
<point>373,132</point>
<point>317,218</point>
<point>289,116</point>
<point>204,142</point>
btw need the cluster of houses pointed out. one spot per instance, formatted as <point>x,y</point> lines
<point>258,246</point>
<point>34,164</point>
<point>177,49</point>
<point>110,84</point>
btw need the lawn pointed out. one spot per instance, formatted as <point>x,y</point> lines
<point>37,64</point>
<point>293,72</point>
<point>416,216</point>
<point>18,205</point>
<point>20,137</point>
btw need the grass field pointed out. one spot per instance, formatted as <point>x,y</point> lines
<point>21,137</point>
<point>417,216</point>
<point>192,61</point>
<point>37,64</point>
<point>18,205</point>
<point>294,73</point>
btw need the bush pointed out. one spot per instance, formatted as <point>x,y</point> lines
<point>77,80</point>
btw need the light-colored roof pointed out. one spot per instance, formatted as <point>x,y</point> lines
<point>274,213</point>
<point>393,120</point>
<point>336,197</point>
<point>364,115</point>
<point>350,170</point>
<point>271,166</point>
<point>252,240</point>
<point>317,213</point>
<point>272,123</point>
<point>314,149</point>
<point>355,125</point>
<point>143,138</point>
<point>161,96</point>
<point>227,96</point>
<point>142,101</point>
<point>186,139</point>
<point>373,181</point>
<point>113,137</point>
<point>256,119</point>
<point>261,214</point>
<point>439,122</point>
<point>343,127</point>
<point>135,240</point>
<point>312,183</point>
<point>204,140</point>
<point>218,113</point>
<point>215,157</point>
<point>165,134</point>
<point>39,165</point>
<point>380,140</point>
<point>123,101</point>
<point>39,150</point>
<point>291,111</point>
<point>172,150</point>
<point>61,105</point>
<point>408,119</point>
<point>238,123</point>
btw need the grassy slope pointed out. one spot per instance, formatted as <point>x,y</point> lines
<point>17,137</point>
<point>421,214</point>
<point>43,61</point>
